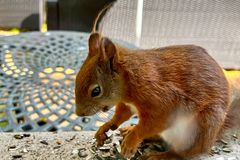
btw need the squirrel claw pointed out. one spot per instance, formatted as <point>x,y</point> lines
<point>101,135</point>
<point>100,139</point>
<point>125,130</point>
<point>130,143</point>
<point>128,152</point>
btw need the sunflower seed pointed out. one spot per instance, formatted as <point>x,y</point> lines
<point>227,150</point>
<point>12,147</point>
<point>18,136</point>
<point>17,156</point>
<point>82,153</point>
<point>44,142</point>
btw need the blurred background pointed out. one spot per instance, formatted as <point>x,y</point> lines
<point>209,23</point>
<point>44,42</point>
<point>42,15</point>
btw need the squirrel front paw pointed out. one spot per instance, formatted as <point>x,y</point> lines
<point>130,143</point>
<point>101,135</point>
<point>125,130</point>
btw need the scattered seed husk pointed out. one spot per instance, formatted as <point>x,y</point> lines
<point>44,142</point>
<point>158,147</point>
<point>226,150</point>
<point>137,154</point>
<point>75,151</point>
<point>97,157</point>
<point>215,150</point>
<point>26,135</point>
<point>225,146</point>
<point>24,150</point>
<point>94,148</point>
<point>108,141</point>
<point>82,149</point>
<point>111,150</point>
<point>118,133</point>
<point>107,154</point>
<point>82,153</point>
<point>18,136</point>
<point>91,150</point>
<point>77,142</point>
<point>70,139</point>
<point>117,153</point>
<point>58,142</point>
<point>109,134</point>
<point>234,136</point>
<point>147,150</point>
<point>56,147</point>
<point>13,147</point>
<point>29,141</point>
<point>223,142</point>
<point>104,148</point>
<point>118,148</point>
<point>73,137</point>
<point>144,146</point>
<point>17,156</point>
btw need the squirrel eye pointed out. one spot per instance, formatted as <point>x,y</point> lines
<point>96,91</point>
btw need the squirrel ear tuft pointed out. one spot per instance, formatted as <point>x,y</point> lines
<point>94,43</point>
<point>108,49</point>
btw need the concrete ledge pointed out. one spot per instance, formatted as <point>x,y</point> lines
<point>80,145</point>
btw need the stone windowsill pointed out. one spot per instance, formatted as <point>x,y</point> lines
<point>80,145</point>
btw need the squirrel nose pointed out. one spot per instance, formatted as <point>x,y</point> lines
<point>79,112</point>
<point>83,114</point>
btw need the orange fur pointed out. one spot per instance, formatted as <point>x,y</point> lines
<point>233,118</point>
<point>170,87</point>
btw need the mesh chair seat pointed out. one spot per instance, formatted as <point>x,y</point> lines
<point>37,81</point>
<point>211,24</point>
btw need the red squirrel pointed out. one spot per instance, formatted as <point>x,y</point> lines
<point>179,92</point>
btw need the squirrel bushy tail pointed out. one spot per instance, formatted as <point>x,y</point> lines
<point>233,116</point>
<point>101,13</point>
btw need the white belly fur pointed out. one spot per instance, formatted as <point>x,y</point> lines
<point>182,133</point>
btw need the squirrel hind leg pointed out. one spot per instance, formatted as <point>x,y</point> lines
<point>209,122</point>
<point>196,134</point>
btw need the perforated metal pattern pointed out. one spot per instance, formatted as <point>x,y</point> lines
<point>37,75</point>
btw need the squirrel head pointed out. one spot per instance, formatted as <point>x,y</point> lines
<point>97,83</point>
